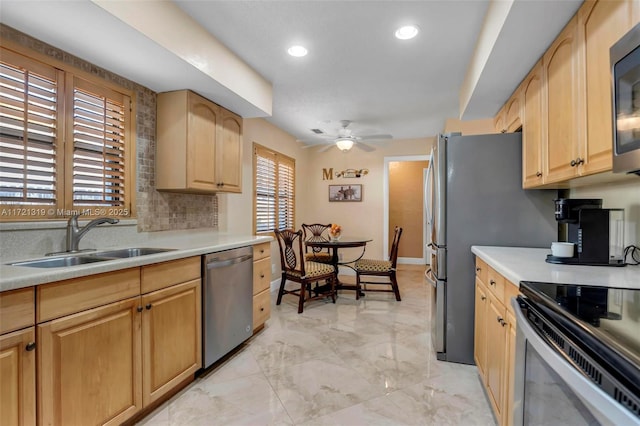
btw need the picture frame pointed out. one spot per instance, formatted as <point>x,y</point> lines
<point>345,193</point>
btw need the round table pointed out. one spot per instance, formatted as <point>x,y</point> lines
<point>335,245</point>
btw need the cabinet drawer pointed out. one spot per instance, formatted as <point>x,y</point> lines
<point>260,251</point>
<point>261,308</point>
<point>261,275</point>
<point>68,297</point>
<point>481,270</point>
<point>17,309</point>
<point>161,275</point>
<point>495,282</point>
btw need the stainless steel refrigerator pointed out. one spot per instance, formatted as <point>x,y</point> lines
<point>474,196</point>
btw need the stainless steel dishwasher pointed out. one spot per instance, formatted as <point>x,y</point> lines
<point>227,308</point>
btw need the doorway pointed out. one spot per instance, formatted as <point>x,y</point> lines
<point>403,193</point>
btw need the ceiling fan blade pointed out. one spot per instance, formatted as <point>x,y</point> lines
<point>365,147</point>
<point>326,148</point>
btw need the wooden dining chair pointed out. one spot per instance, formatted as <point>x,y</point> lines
<point>304,272</point>
<point>316,232</point>
<point>380,268</point>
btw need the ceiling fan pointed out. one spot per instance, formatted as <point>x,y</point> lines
<point>345,139</point>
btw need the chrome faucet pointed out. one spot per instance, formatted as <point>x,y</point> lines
<point>74,233</point>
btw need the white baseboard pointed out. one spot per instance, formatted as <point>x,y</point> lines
<point>411,260</point>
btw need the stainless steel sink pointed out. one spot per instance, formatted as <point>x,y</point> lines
<point>64,261</point>
<point>131,252</point>
<point>60,262</point>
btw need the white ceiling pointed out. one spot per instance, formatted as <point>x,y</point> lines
<point>355,69</point>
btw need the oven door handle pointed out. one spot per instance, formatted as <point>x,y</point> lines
<point>602,406</point>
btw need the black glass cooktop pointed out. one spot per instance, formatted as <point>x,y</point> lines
<point>611,315</point>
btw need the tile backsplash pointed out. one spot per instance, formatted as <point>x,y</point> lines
<point>156,211</point>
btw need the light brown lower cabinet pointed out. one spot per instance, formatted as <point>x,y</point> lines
<point>171,338</point>
<point>261,285</point>
<point>104,364</point>
<point>495,337</point>
<point>90,366</point>
<point>18,378</point>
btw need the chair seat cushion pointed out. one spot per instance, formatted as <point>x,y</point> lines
<point>373,265</point>
<point>318,257</point>
<point>313,269</point>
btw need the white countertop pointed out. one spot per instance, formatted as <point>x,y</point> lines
<point>188,243</point>
<point>528,264</point>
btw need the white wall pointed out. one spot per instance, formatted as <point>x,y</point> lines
<point>362,219</point>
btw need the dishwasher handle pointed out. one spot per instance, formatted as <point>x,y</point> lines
<point>215,264</point>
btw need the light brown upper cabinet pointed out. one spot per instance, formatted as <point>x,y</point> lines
<point>531,90</point>
<point>229,152</point>
<point>561,118</point>
<point>508,118</point>
<point>513,113</point>
<point>500,120</point>
<point>199,147</point>
<point>600,24</point>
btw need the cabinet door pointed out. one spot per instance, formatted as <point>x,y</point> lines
<point>499,121</point>
<point>601,23</point>
<point>562,77</point>
<point>229,167</point>
<point>532,128</point>
<point>89,366</point>
<point>171,338</point>
<point>496,338</point>
<point>201,143</point>
<point>18,378</point>
<point>513,114</point>
<point>480,326</point>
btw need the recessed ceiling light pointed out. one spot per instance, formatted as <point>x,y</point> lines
<point>407,32</point>
<point>297,51</point>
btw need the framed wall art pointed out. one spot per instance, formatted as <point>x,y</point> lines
<point>345,192</point>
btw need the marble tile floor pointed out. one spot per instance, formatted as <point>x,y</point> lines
<point>366,362</point>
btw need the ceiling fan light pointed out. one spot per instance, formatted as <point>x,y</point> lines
<point>407,32</point>
<point>344,144</point>
<point>297,51</point>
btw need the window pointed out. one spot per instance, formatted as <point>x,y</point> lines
<point>274,190</point>
<point>65,143</point>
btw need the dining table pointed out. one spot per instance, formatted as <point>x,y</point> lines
<point>334,245</point>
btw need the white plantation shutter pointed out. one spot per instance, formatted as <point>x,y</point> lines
<point>286,193</point>
<point>265,187</point>
<point>65,142</point>
<point>29,110</point>
<point>274,190</point>
<point>99,139</point>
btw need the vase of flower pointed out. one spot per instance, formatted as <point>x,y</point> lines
<point>335,231</point>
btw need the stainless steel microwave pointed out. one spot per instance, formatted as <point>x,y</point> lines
<point>625,72</point>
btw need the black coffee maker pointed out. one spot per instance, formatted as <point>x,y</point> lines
<point>597,233</point>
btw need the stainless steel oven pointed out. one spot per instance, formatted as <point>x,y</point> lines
<point>575,363</point>
<point>625,73</point>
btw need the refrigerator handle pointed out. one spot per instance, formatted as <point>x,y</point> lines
<point>428,188</point>
<point>428,274</point>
